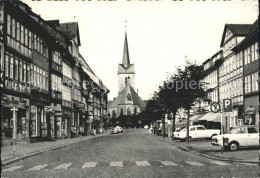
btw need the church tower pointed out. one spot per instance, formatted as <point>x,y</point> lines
<point>126,71</point>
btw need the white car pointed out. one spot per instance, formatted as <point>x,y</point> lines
<point>240,136</point>
<point>120,129</point>
<point>146,127</point>
<point>114,130</point>
<point>195,132</point>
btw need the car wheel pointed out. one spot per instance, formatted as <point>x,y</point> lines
<point>212,136</point>
<point>233,146</point>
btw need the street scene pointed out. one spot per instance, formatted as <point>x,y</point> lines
<point>129,89</point>
<point>133,153</point>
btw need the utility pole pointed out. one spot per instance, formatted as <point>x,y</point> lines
<point>188,125</point>
<point>164,126</point>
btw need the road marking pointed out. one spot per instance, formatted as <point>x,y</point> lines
<point>116,164</point>
<point>142,163</point>
<point>89,164</point>
<point>38,167</point>
<point>195,163</point>
<point>12,168</point>
<point>169,163</point>
<point>220,163</point>
<point>249,164</point>
<point>63,166</point>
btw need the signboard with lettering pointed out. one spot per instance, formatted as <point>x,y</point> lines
<point>227,105</point>
<point>80,105</point>
<point>48,108</point>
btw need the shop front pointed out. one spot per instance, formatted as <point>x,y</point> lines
<point>55,122</point>
<point>252,110</point>
<point>8,103</point>
<point>77,125</point>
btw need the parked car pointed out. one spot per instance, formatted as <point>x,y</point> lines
<point>195,132</point>
<point>114,130</point>
<point>120,129</point>
<point>146,127</point>
<point>240,136</point>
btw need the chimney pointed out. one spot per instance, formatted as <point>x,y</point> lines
<point>137,91</point>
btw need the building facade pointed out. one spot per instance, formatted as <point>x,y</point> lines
<point>42,77</point>
<point>248,51</point>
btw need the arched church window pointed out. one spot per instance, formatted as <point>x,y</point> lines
<point>121,111</point>
<point>129,98</point>
<point>128,111</point>
<point>113,114</point>
<point>135,110</point>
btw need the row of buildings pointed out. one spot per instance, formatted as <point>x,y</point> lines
<point>44,77</point>
<point>232,73</point>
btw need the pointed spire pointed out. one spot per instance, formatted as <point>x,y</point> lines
<point>126,60</point>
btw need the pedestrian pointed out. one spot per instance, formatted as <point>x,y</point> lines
<point>94,132</point>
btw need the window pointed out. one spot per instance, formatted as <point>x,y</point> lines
<point>16,69</point>
<point>200,128</point>
<point>22,34</point>
<point>246,57</point>
<point>192,129</point>
<point>13,28</point>
<point>7,66</point>
<point>9,25</point>
<point>11,67</point>
<point>20,71</point>
<point>18,31</point>
<point>252,52</point>
<point>28,73</point>
<point>35,41</point>
<point>252,130</point>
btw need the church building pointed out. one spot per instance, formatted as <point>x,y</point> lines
<point>127,102</point>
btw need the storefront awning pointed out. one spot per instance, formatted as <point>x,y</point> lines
<point>92,76</point>
<point>196,117</point>
<point>211,117</point>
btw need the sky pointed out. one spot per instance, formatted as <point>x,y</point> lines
<point>160,34</point>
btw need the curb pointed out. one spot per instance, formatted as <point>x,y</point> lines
<point>211,157</point>
<point>216,158</point>
<point>5,163</point>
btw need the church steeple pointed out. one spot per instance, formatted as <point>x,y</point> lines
<point>126,70</point>
<point>126,60</point>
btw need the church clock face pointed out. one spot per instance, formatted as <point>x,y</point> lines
<point>129,97</point>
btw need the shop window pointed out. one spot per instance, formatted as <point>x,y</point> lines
<point>33,124</point>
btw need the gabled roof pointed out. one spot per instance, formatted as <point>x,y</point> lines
<point>71,29</point>
<point>122,96</point>
<point>252,35</point>
<point>236,29</point>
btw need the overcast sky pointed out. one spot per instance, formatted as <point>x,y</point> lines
<point>160,34</point>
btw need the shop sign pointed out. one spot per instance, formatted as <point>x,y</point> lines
<point>11,101</point>
<point>80,105</point>
<point>58,114</point>
<point>48,108</point>
<point>250,110</point>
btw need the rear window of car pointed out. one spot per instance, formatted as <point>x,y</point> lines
<point>252,130</point>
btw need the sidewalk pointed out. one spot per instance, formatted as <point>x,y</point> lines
<point>31,149</point>
<point>204,148</point>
